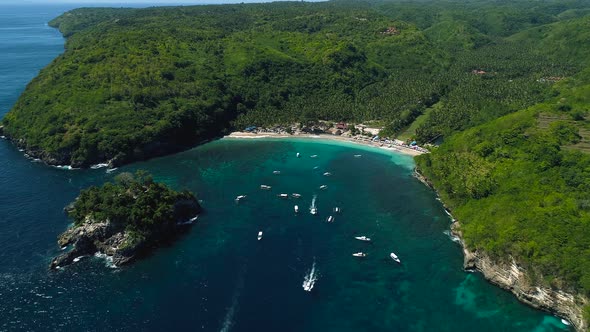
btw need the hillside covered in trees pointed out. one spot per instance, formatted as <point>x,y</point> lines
<point>503,84</point>
<point>134,83</point>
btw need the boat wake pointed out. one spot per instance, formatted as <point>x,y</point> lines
<point>228,319</point>
<point>313,209</point>
<point>310,279</point>
<point>229,316</point>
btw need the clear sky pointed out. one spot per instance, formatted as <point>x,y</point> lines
<point>123,2</point>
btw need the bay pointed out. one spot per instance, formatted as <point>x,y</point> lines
<point>218,277</point>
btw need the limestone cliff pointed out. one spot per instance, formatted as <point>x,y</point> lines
<point>514,278</point>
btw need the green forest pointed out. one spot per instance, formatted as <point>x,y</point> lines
<point>504,85</point>
<point>135,83</point>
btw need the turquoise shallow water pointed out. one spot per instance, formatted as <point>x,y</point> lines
<point>219,277</point>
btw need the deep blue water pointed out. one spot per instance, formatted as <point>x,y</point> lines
<point>219,277</point>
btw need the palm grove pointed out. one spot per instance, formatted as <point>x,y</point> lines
<point>504,85</point>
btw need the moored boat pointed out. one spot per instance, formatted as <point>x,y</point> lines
<point>240,197</point>
<point>298,154</point>
<point>394,257</point>
<point>337,210</point>
<point>357,155</point>
<point>330,219</point>
<point>276,172</point>
<point>296,195</point>
<point>359,254</point>
<point>313,156</point>
<point>259,235</point>
<point>363,238</point>
<point>327,174</point>
<point>265,187</point>
<point>296,208</point>
<point>323,186</point>
<point>283,195</point>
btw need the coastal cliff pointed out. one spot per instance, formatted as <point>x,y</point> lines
<point>515,278</point>
<point>125,220</point>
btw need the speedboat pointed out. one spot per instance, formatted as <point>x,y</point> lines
<point>330,219</point>
<point>313,209</point>
<point>296,195</point>
<point>259,235</point>
<point>327,174</point>
<point>265,187</point>
<point>359,254</point>
<point>298,154</point>
<point>363,238</point>
<point>283,195</point>
<point>323,186</point>
<point>337,210</point>
<point>313,156</point>
<point>296,208</point>
<point>276,172</point>
<point>394,257</point>
<point>310,279</point>
<point>239,198</point>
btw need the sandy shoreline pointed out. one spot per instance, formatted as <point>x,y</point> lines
<point>366,142</point>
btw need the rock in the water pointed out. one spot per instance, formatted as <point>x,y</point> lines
<point>129,226</point>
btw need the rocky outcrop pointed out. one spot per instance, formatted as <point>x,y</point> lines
<point>514,278</point>
<point>115,241</point>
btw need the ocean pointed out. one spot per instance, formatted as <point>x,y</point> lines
<point>219,277</point>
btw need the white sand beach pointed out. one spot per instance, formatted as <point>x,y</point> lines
<point>395,148</point>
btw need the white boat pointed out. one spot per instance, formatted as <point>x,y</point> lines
<point>259,235</point>
<point>327,174</point>
<point>296,208</point>
<point>265,187</point>
<point>283,195</point>
<point>323,186</point>
<point>359,254</point>
<point>565,322</point>
<point>337,210</point>
<point>313,209</point>
<point>240,197</point>
<point>394,257</point>
<point>77,259</point>
<point>298,154</point>
<point>313,156</point>
<point>97,166</point>
<point>363,238</point>
<point>357,155</point>
<point>316,167</point>
<point>276,172</point>
<point>296,195</point>
<point>330,219</point>
<point>310,279</point>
